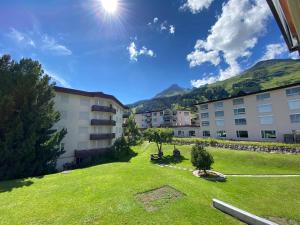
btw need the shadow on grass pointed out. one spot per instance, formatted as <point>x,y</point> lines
<point>169,160</point>
<point>7,186</point>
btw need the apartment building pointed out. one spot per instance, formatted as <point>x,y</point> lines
<point>93,121</point>
<point>269,115</point>
<point>163,118</point>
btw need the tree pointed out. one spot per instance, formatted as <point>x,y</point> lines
<point>159,136</point>
<point>200,158</point>
<point>29,146</point>
<point>121,149</point>
<point>132,132</point>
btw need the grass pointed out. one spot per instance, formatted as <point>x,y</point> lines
<point>106,194</point>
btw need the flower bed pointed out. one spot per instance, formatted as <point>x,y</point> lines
<point>272,147</point>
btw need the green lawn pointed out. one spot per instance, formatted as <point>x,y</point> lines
<point>105,194</point>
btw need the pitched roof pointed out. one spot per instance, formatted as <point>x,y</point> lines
<point>89,94</point>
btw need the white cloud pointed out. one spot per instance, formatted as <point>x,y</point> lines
<point>155,20</point>
<point>274,50</point>
<point>38,40</point>
<point>232,37</point>
<point>172,29</point>
<point>196,6</point>
<point>58,79</point>
<point>134,52</point>
<point>51,45</point>
<point>163,26</point>
<point>206,80</point>
<point>20,37</point>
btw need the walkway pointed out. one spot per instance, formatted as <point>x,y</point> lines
<point>235,175</point>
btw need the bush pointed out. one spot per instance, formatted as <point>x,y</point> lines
<point>200,158</point>
<point>121,149</point>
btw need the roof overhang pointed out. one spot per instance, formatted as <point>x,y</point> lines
<point>287,15</point>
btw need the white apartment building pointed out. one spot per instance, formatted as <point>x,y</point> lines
<point>163,118</point>
<point>269,115</point>
<point>93,121</point>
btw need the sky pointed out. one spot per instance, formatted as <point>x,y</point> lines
<point>137,48</point>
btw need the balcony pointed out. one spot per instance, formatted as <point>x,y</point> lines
<point>100,108</point>
<point>98,122</point>
<point>102,136</point>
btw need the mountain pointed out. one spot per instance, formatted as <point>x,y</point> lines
<point>263,75</point>
<point>171,91</point>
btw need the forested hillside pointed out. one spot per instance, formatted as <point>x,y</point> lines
<point>263,75</point>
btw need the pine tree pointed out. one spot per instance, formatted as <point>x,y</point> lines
<point>29,146</point>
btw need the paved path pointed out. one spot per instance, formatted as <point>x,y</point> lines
<point>234,175</point>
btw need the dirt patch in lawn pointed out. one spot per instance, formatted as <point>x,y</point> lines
<point>283,221</point>
<point>156,198</point>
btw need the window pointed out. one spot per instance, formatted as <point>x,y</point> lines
<point>206,133</point>
<point>293,91</point>
<point>84,102</point>
<point>242,134</point>
<point>262,97</point>
<point>294,104</point>
<point>219,113</point>
<point>219,123</point>
<point>204,107</point>
<point>192,133</point>
<point>239,111</point>
<point>63,115</point>
<point>180,133</point>
<point>295,118</point>
<point>268,134</point>
<point>155,114</point>
<point>83,116</point>
<point>264,108</point>
<point>186,113</point>
<point>238,101</point>
<point>205,123</point>
<point>204,115</point>
<point>97,101</point>
<point>161,113</point>
<point>241,121</point>
<point>221,134</point>
<point>266,120</point>
<point>154,120</point>
<point>218,105</point>
<point>64,98</point>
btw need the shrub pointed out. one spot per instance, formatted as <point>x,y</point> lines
<point>121,149</point>
<point>200,158</point>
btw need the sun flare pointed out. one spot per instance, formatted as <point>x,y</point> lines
<point>110,6</point>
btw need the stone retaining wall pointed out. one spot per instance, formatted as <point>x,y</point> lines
<point>243,147</point>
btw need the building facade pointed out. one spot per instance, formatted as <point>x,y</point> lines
<point>163,118</point>
<point>93,121</point>
<point>269,115</point>
<point>187,131</point>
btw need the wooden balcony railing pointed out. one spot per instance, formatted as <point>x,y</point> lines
<point>100,108</point>
<point>99,122</point>
<point>102,136</point>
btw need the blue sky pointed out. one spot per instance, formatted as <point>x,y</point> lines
<point>144,46</point>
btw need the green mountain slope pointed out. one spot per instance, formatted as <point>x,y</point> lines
<point>171,91</point>
<point>263,75</point>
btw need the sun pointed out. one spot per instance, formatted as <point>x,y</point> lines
<point>110,6</point>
